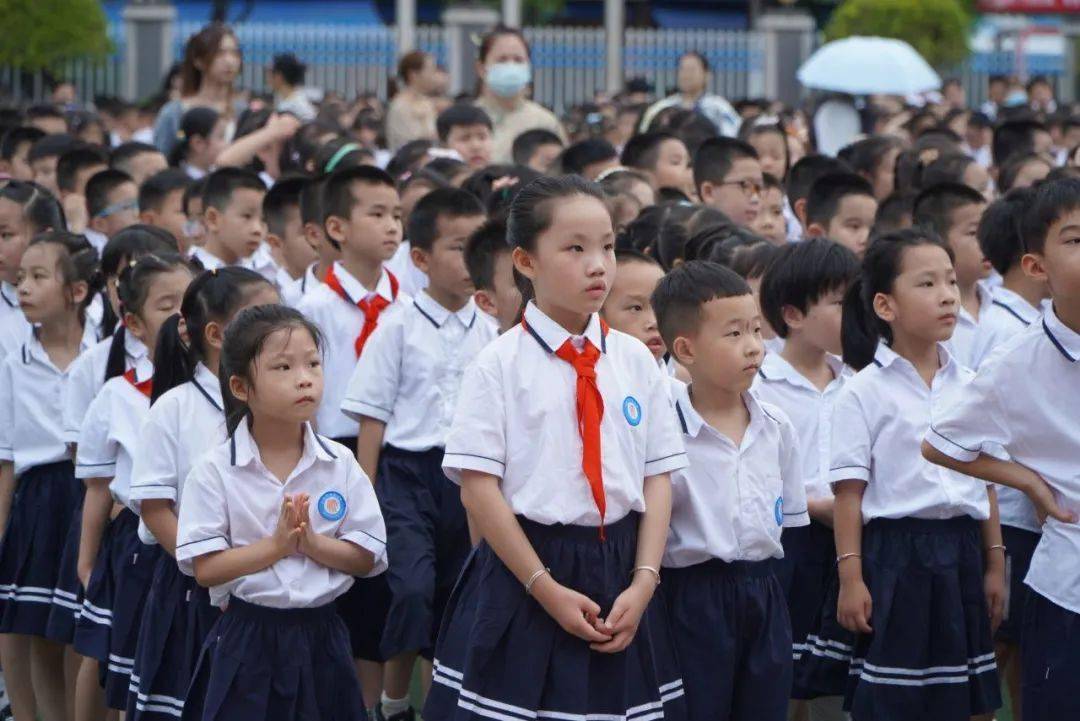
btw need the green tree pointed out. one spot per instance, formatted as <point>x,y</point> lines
<point>43,34</point>
<point>938,29</point>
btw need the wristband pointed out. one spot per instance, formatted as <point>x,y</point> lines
<point>997,546</point>
<point>533,579</point>
<point>650,569</point>
<point>845,556</point>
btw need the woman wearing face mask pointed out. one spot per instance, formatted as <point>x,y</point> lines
<point>505,74</point>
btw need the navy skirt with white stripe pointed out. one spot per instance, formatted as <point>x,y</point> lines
<point>33,585</point>
<point>270,664</point>
<point>501,656</point>
<point>931,655</point>
<point>94,628</point>
<point>132,588</point>
<point>68,594</point>
<point>177,618</point>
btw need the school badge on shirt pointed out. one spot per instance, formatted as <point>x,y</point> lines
<point>778,511</point>
<point>631,410</point>
<point>332,506</point>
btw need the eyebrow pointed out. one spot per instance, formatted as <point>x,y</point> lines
<point>1072,227</point>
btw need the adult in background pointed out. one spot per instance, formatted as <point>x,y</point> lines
<point>287,82</point>
<point>505,74</point>
<point>412,112</point>
<point>211,65</point>
<point>693,83</point>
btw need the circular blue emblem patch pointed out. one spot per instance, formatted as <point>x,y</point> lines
<point>631,410</point>
<point>332,506</point>
<point>778,510</point>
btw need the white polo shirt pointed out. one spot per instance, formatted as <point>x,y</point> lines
<point>879,420</point>
<point>810,411</point>
<point>733,502</point>
<point>1007,315</point>
<point>31,396</point>
<point>341,323</point>
<point>209,260</point>
<point>110,433</point>
<point>182,426</point>
<point>1025,399</point>
<point>517,419</point>
<point>413,280</point>
<point>969,344</point>
<point>232,500</point>
<point>88,376</point>
<point>9,300</point>
<point>410,372</point>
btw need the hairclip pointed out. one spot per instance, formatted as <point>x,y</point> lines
<point>341,153</point>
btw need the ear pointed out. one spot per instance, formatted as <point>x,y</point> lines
<point>1034,266</point>
<point>793,317</point>
<point>336,228</point>
<point>214,335</point>
<point>135,324</point>
<point>147,217</point>
<point>524,263</point>
<point>800,211</point>
<point>706,191</point>
<point>683,350</point>
<point>212,219</point>
<point>486,303</point>
<point>816,230</point>
<point>420,259</point>
<point>239,388</point>
<point>884,308</point>
<point>275,241</point>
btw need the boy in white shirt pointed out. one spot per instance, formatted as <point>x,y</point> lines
<point>232,215</point>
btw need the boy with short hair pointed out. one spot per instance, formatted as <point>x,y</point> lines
<point>285,236</point>
<point>467,130</point>
<point>953,211</point>
<point>311,215</point>
<point>726,607</point>
<point>112,204</point>
<point>73,169</point>
<point>728,177</point>
<point>801,176</point>
<point>842,208</point>
<point>489,260</point>
<point>403,392</point>
<point>195,228</point>
<point>1024,399</point>
<point>662,157</point>
<point>538,149</point>
<point>139,160</point>
<point>589,158</point>
<point>161,204</point>
<point>894,213</point>
<point>770,223</point>
<point>628,307</point>
<point>232,216</point>
<point>43,157</point>
<point>14,151</point>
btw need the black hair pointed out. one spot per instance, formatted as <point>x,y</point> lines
<point>289,67</point>
<point>1000,230</point>
<point>75,160</point>
<point>41,210</point>
<point>934,206</point>
<point>446,168</point>
<point>49,146</point>
<point>1011,169</point>
<point>679,296</point>
<point>193,191</point>
<point>979,119</point>
<point>715,158</point>
<point>283,196</point>
<point>673,234</point>
<point>621,180</point>
<point>893,211</point>
<point>525,144</point>
<point>754,260</point>
<point>629,255</point>
<point>1014,137</point>
<point>439,203</point>
<point>482,184</point>
<point>828,191</point>
<point>100,185</point>
<point>77,262</point>
<point>122,155</point>
<point>198,122</point>
<point>1063,171</point>
<point>156,188</point>
<point>132,288</point>
<point>245,337</point>
<point>224,182</point>
<point>722,244</point>
<point>577,157</point>
<point>691,127</point>
<point>808,169</point>
<point>338,198</point>
<point>643,151</point>
<point>18,136</point>
<point>699,56</point>
<point>43,110</point>
<point>1051,202</point>
<point>461,115</point>
<point>947,168</point>
<point>127,246</point>
<point>484,247</point>
<point>750,130</point>
<point>671,195</point>
<point>864,156</point>
<point>800,274</point>
<point>338,154</point>
<point>213,296</point>
<point>861,328</point>
<point>311,201</point>
<point>408,156</point>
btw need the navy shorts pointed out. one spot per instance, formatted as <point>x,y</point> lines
<point>1050,661</point>
<point>1019,548</point>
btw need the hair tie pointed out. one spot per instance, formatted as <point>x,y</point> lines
<point>132,263</point>
<point>341,153</point>
<point>213,273</point>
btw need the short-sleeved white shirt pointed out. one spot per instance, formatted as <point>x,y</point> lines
<point>410,372</point>
<point>879,420</point>
<point>413,280</point>
<point>517,419</point>
<point>810,411</point>
<point>1025,399</point>
<point>209,260</point>
<point>969,343</point>
<point>231,500</point>
<point>88,376</point>
<point>9,301</point>
<point>1007,315</point>
<point>341,322</point>
<point>733,502</point>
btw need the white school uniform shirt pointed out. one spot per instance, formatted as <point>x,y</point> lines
<point>232,500</point>
<point>96,239</point>
<point>9,301</point>
<point>262,262</point>
<point>88,376</point>
<point>1009,313</point>
<point>879,420</point>
<point>31,394</point>
<point>810,411</point>
<point>110,433</point>
<point>773,345</point>
<point>410,372</point>
<point>288,287</point>
<point>733,502</point>
<point>209,260</point>
<point>341,322</point>
<point>969,344</point>
<point>182,426</point>
<point>1025,399</point>
<point>516,419</point>
<point>412,279</point>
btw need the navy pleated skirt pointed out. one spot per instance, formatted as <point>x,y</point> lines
<point>94,628</point>
<point>175,623</point>
<point>500,655</point>
<point>931,654</point>
<point>269,664</point>
<point>36,583</point>
<point>132,589</point>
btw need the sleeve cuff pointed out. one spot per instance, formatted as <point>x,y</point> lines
<point>354,409</point>
<point>666,464</point>
<point>454,462</point>
<point>71,435</point>
<point>376,546</point>
<point>95,470</point>
<point>950,447</point>
<point>187,552</point>
<point>153,492</point>
<point>849,473</point>
<point>799,518</point>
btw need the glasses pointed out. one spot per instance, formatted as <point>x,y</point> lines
<point>123,205</point>
<point>748,186</point>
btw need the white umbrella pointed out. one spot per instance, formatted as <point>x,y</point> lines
<point>868,65</point>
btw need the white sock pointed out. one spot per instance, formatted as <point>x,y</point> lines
<point>393,706</point>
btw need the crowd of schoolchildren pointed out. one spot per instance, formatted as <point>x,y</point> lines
<point>691,428</point>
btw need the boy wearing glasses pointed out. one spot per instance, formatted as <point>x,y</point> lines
<point>841,207</point>
<point>728,177</point>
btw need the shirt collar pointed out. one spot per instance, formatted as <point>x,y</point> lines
<point>691,423</point>
<point>134,348</point>
<point>208,385</point>
<point>33,350</point>
<point>9,295</point>
<point>776,367</point>
<point>244,452</point>
<point>209,260</point>
<point>309,279</point>
<point>550,335</point>
<point>356,290</point>
<point>438,314</point>
<point>886,356</point>
<point>985,299</point>
<point>1016,305</point>
<point>1066,340</point>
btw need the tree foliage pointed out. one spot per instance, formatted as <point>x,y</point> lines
<point>938,29</point>
<point>43,34</point>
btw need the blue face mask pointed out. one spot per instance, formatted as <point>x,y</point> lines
<point>508,79</point>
